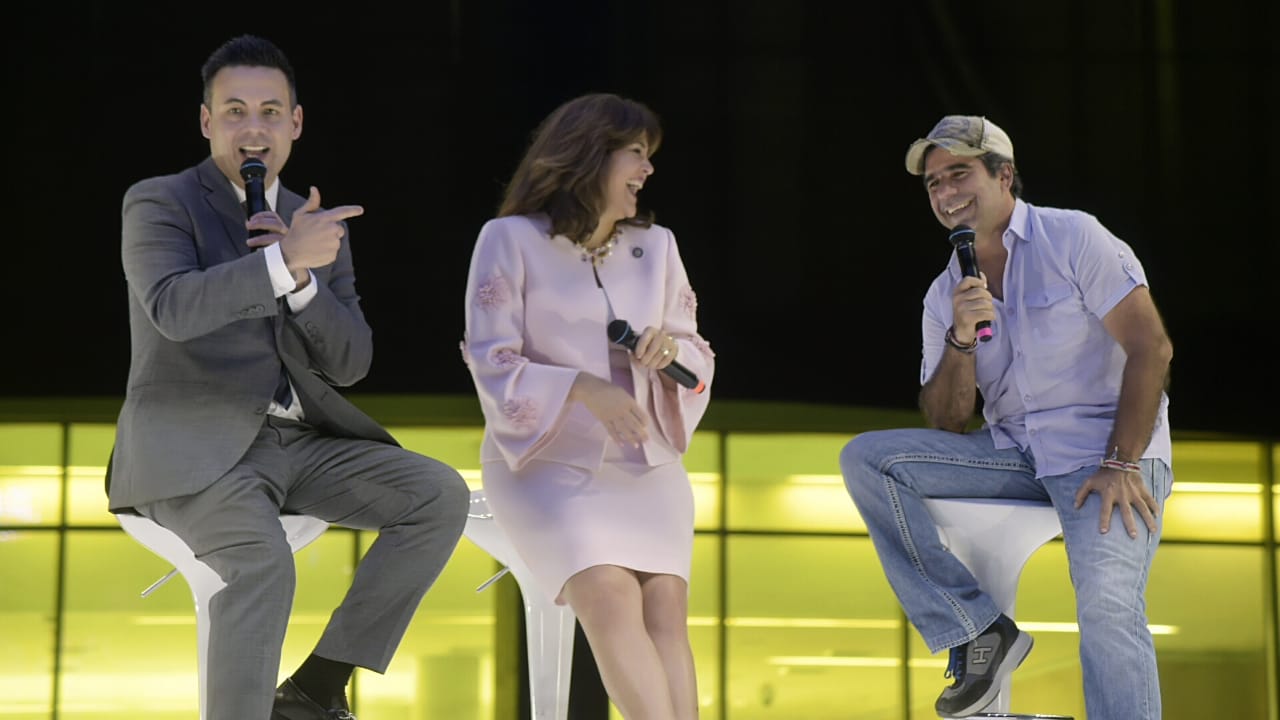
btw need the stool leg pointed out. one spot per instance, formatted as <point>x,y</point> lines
<point>998,576</point>
<point>204,584</point>
<point>202,649</point>
<point>549,634</point>
<point>566,623</point>
<point>997,573</point>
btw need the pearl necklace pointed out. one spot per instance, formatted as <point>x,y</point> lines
<point>597,255</point>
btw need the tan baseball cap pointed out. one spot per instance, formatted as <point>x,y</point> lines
<point>968,135</point>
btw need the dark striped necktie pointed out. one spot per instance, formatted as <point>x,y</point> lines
<point>284,393</point>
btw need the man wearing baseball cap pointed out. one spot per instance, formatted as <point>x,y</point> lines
<point>1071,376</point>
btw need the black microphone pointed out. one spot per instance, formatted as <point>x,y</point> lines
<point>962,237</point>
<point>254,172</point>
<point>620,332</point>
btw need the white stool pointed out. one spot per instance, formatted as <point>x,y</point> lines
<point>994,538</point>
<point>548,627</point>
<point>300,530</point>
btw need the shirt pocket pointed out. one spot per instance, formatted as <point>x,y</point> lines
<point>1055,316</point>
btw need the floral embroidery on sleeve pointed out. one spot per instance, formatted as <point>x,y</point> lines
<point>506,358</point>
<point>689,301</point>
<point>521,412</point>
<point>493,293</point>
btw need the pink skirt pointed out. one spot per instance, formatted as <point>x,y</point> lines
<point>564,519</point>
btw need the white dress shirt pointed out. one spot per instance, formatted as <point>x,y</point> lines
<point>283,282</point>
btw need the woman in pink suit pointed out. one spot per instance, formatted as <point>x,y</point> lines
<point>584,437</point>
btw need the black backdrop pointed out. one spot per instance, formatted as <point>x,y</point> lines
<point>781,174</point>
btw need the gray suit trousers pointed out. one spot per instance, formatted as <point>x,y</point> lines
<point>417,505</point>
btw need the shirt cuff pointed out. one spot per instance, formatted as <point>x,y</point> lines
<point>282,281</point>
<point>298,301</point>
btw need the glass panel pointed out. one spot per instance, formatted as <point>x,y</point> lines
<point>813,630</point>
<point>30,474</point>
<point>1275,494</point>
<point>1217,492</point>
<point>324,572</point>
<point>124,656</point>
<point>444,667</point>
<point>86,492</point>
<point>703,462</point>
<point>458,448</point>
<point>130,657</point>
<point>1206,606</point>
<point>788,481</point>
<point>704,621</point>
<point>1204,609</point>
<point>28,606</point>
<point>1208,642</point>
<point>809,649</point>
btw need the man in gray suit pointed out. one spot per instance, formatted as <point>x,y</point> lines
<point>232,417</point>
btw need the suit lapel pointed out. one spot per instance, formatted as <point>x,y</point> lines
<point>220,197</point>
<point>288,203</point>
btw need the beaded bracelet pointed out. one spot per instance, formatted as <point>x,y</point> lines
<point>950,337</point>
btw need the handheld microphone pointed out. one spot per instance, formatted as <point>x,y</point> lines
<point>962,237</point>
<point>253,171</point>
<point>620,332</point>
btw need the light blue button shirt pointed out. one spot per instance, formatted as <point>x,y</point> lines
<point>1050,376</point>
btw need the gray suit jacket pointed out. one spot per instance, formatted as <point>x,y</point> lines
<point>209,337</point>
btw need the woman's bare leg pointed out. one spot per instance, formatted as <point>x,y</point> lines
<point>666,619</point>
<point>609,604</point>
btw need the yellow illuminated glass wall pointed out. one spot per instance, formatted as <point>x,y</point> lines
<point>790,614</point>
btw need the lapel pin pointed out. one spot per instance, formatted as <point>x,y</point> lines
<point>637,252</point>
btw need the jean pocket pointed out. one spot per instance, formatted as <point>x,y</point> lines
<point>1159,477</point>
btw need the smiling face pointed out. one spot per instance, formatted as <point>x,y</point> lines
<point>961,191</point>
<point>627,171</point>
<point>248,114</point>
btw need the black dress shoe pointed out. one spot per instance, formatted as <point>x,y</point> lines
<point>293,704</point>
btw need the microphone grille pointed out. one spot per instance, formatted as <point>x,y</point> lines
<point>252,168</point>
<point>619,330</point>
<point>961,235</point>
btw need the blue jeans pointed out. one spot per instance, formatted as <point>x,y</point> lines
<point>887,473</point>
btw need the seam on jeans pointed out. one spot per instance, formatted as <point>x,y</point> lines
<point>989,464</point>
<point>1139,628</point>
<point>1149,471</point>
<point>913,555</point>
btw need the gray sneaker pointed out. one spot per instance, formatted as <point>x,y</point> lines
<point>979,666</point>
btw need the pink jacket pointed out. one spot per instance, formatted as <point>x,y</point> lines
<point>535,317</point>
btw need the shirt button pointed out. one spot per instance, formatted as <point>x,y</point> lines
<point>1128,266</point>
<point>1033,431</point>
<point>1027,397</point>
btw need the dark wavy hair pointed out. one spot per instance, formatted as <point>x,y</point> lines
<point>993,161</point>
<point>247,51</point>
<point>562,172</point>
